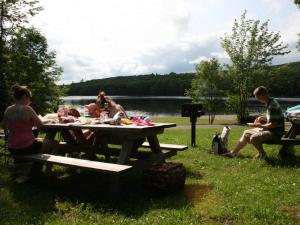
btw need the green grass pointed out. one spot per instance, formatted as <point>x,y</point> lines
<point>218,190</point>
<point>186,121</point>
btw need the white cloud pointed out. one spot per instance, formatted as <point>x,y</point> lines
<point>100,38</point>
<point>220,55</point>
<point>198,60</point>
<point>275,5</point>
<point>291,28</point>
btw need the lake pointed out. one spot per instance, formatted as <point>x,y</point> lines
<point>164,106</point>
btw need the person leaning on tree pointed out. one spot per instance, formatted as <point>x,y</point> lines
<point>266,128</point>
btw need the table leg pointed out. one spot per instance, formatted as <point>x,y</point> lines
<point>101,140</point>
<point>125,151</point>
<point>79,136</point>
<point>154,144</point>
<point>292,133</point>
<point>114,185</point>
<point>51,135</point>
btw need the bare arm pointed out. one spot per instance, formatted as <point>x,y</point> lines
<point>267,126</point>
<point>260,119</point>
<point>34,117</point>
<point>119,108</point>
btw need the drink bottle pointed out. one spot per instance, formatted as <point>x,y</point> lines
<point>106,110</point>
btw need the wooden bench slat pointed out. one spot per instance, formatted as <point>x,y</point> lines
<point>82,163</point>
<point>292,141</point>
<point>167,146</point>
<point>284,141</point>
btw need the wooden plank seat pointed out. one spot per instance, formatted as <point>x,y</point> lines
<point>3,151</point>
<point>80,163</point>
<point>282,141</point>
<point>167,146</point>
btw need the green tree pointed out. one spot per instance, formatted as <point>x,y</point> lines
<point>205,87</point>
<point>32,64</point>
<point>251,47</point>
<point>13,15</point>
<point>24,56</point>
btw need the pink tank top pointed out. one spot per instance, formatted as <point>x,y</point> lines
<point>20,134</point>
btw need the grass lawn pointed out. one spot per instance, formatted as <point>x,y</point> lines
<point>218,190</point>
<point>219,120</point>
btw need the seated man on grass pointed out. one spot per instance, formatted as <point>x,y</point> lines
<point>266,128</point>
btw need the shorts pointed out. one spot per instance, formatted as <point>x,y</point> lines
<point>259,136</point>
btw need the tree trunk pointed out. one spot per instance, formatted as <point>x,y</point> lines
<point>4,94</point>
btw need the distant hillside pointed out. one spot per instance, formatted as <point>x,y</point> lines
<point>283,80</point>
<point>146,85</point>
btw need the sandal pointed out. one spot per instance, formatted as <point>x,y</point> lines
<point>229,154</point>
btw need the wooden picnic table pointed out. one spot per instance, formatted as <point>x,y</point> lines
<point>128,137</point>
<point>289,139</point>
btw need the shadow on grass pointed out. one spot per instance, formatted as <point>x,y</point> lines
<point>193,174</point>
<point>40,196</point>
<point>288,160</point>
<point>195,193</point>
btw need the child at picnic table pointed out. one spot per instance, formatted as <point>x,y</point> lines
<point>266,128</point>
<point>20,119</point>
<point>95,109</point>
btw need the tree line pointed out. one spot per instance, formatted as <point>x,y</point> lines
<point>147,85</point>
<point>282,80</point>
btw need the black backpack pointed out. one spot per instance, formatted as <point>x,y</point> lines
<point>218,145</point>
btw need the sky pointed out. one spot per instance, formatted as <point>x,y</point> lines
<point>95,39</point>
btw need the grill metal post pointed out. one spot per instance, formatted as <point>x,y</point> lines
<point>193,111</point>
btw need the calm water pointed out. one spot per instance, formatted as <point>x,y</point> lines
<point>164,106</point>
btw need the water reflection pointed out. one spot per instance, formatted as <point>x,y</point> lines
<point>137,106</point>
<point>163,106</point>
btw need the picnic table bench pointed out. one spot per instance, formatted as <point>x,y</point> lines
<point>289,139</point>
<point>110,168</point>
<point>167,146</point>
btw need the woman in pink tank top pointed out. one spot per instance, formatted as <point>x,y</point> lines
<point>19,119</point>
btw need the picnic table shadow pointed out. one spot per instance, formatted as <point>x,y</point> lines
<point>91,188</point>
<point>288,160</point>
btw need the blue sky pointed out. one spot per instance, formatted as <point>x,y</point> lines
<point>96,39</point>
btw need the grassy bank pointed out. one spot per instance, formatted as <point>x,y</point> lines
<point>218,191</point>
<point>219,120</point>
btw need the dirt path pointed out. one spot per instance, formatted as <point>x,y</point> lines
<point>221,117</point>
<point>204,126</point>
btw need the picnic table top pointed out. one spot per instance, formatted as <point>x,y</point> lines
<point>107,127</point>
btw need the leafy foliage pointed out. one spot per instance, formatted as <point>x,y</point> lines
<point>33,65</point>
<point>206,87</point>
<point>251,48</point>
<point>13,15</point>
<point>24,57</point>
